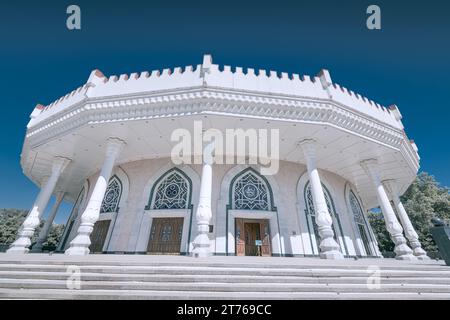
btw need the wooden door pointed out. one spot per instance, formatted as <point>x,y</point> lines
<point>265,237</point>
<point>98,236</point>
<point>239,232</point>
<point>165,236</point>
<point>252,233</point>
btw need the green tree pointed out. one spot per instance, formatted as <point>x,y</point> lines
<point>424,199</point>
<point>12,219</point>
<point>10,222</point>
<point>378,225</point>
<point>54,235</point>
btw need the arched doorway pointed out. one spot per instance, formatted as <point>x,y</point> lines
<point>170,213</point>
<point>252,216</point>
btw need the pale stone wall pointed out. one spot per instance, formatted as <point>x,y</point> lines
<point>287,186</point>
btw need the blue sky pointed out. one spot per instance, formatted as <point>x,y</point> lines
<point>406,63</point>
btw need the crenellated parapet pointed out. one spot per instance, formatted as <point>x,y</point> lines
<point>209,75</point>
<point>41,112</point>
<point>208,81</point>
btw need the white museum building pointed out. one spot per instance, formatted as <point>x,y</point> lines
<point>108,148</point>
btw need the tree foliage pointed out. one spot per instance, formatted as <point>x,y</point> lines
<point>424,199</point>
<point>377,223</point>
<point>12,219</point>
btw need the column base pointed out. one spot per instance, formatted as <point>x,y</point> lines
<point>201,247</point>
<point>77,251</point>
<point>17,250</point>
<point>329,248</point>
<point>402,251</point>
<point>408,257</point>
<point>420,254</point>
<point>79,246</point>
<point>331,255</point>
<point>20,246</point>
<point>201,253</point>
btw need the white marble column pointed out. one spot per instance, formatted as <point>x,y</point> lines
<point>80,244</point>
<point>402,251</point>
<point>203,213</point>
<point>329,248</point>
<point>43,234</point>
<point>410,233</point>
<point>32,220</point>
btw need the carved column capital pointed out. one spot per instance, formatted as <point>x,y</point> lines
<point>308,147</point>
<point>59,164</point>
<point>114,146</point>
<point>390,186</point>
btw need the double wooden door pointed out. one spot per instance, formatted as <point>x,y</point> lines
<point>165,236</point>
<point>98,236</point>
<point>252,237</point>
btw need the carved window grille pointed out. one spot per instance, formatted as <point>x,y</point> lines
<point>358,215</point>
<point>311,213</point>
<point>250,192</point>
<point>356,209</point>
<point>172,193</point>
<point>112,196</point>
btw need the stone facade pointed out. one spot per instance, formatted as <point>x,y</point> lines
<point>130,229</point>
<point>107,147</point>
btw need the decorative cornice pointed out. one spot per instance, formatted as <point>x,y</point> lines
<point>238,103</point>
<point>214,101</point>
<point>210,88</point>
<point>209,75</point>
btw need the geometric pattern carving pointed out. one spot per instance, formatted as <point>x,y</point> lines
<point>250,192</point>
<point>356,209</point>
<point>172,193</point>
<point>112,196</point>
<point>358,215</point>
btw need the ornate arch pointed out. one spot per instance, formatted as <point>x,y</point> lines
<point>112,196</point>
<point>173,190</point>
<point>361,224</point>
<point>251,191</point>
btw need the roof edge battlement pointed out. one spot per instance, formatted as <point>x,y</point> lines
<point>208,74</point>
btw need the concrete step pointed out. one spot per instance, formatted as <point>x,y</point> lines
<point>222,287</point>
<point>218,278</point>
<point>232,268</point>
<point>191,295</point>
<point>163,277</point>
<point>261,264</point>
<point>208,271</point>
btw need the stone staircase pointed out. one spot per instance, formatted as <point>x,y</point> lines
<point>41,276</point>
